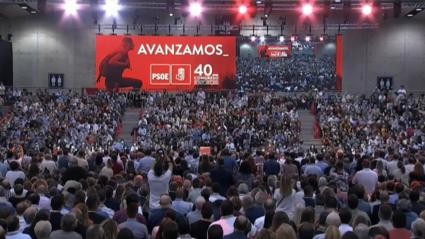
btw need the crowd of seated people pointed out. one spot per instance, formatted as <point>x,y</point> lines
<point>368,124</point>
<point>164,187</point>
<point>302,71</point>
<point>60,119</point>
<point>238,122</point>
<point>2,93</point>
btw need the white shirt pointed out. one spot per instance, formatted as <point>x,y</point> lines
<point>49,165</point>
<point>343,228</point>
<point>215,196</point>
<point>288,204</point>
<point>227,223</point>
<point>82,163</point>
<point>11,176</point>
<point>17,235</point>
<point>392,166</point>
<point>319,236</point>
<point>409,168</point>
<point>22,223</point>
<point>259,223</point>
<point>44,203</point>
<point>107,210</point>
<point>387,224</point>
<point>367,178</point>
<point>158,186</point>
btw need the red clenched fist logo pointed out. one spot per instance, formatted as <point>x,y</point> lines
<point>181,74</point>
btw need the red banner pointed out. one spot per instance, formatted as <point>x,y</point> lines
<point>278,51</point>
<point>156,63</point>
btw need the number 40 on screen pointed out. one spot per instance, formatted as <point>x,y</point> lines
<point>204,70</point>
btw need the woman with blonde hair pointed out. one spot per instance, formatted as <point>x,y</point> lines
<point>285,231</point>
<point>332,232</point>
<point>286,198</point>
<point>110,228</point>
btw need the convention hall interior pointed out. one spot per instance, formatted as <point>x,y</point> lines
<point>212,119</point>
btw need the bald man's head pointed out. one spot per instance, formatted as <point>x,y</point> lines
<point>165,201</point>
<point>199,202</point>
<point>269,205</point>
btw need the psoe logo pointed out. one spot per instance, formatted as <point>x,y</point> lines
<point>160,74</point>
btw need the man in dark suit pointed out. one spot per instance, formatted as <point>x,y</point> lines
<point>92,203</point>
<point>73,172</point>
<point>199,229</point>
<point>157,214</point>
<point>271,166</point>
<point>242,228</point>
<point>252,211</point>
<point>55,214</point>
<point>222,176</point>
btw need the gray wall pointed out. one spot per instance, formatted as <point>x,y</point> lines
<point>43,45</point>
<point>396,49</point>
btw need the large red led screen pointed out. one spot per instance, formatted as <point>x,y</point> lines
<point>172,63</point>
<point>274,51</point>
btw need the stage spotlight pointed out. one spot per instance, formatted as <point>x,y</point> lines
<point>262,39</point>
<point>243,9</point>
<point>307,9</point>
<point>71,7</point>
<point>170,7</point>
<point>253,38</point>
<point>281,39</point>
<point>293,38</point>
<point>195,9</point>
<point>308,38</point>
<point>268,8</point>
<point>323,37</point>
<point>112,8</point>
<point>367,9</point>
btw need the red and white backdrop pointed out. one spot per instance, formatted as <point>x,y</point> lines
<point>175,63</point>
<point>274,51</point>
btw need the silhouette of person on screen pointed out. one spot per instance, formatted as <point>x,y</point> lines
<point>113,65</point>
